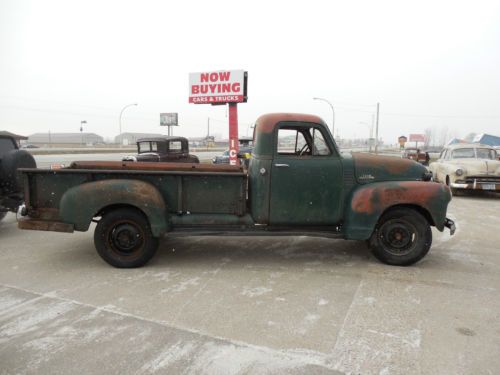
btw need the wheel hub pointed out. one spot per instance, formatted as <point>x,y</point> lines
<point>126,237</point>
<point>397,237</point>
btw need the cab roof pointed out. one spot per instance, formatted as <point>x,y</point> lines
<point>162,139</point>
<point>467,145</point>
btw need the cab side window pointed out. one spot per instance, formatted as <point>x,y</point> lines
<point>175,146</point>
<point>302,141</point>
<point>291,142</point>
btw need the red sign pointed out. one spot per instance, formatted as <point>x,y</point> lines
<point>221,87</point>
<point>217,87</point>
<point>417,137</point>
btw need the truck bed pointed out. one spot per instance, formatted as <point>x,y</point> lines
<point>187,189</point>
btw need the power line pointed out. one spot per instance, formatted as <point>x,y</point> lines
<point>423,115</point>
<point>21,108</point>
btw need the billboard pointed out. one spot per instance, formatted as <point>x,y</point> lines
<point>218,87</point>
<point>169,119</point>
<point>417,137</point>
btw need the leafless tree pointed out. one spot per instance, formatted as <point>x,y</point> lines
<point>428,136</point>
<point>470,137</point>
<point>444,135</point>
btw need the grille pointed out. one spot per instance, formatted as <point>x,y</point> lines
<point>483,179</point>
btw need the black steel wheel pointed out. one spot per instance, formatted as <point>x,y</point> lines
<point>402,237</point>
<point>123,238</point>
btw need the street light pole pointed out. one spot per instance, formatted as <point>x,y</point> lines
<point>81,128</point>
<point>333,114</point>
<point>376,129</point>
<point>121,113</point>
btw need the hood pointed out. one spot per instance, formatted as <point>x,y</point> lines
<point>374,168</point>
<point>148,156</point>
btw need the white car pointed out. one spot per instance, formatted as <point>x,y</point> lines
<point>468,167</point>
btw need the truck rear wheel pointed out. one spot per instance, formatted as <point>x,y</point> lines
<point>402,237</point>
<point>123,238</point>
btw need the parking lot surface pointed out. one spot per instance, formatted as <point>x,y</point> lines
<point>253,305</point>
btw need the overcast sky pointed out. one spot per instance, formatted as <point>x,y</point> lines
<point>428,63</point>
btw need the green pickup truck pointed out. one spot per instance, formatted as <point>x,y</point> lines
<point>297,183</point>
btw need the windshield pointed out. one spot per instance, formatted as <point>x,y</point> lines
<point>463,153</point>
<point>471,153</point>
<point>147,147</point>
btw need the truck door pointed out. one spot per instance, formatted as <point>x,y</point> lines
<point>306,176</point>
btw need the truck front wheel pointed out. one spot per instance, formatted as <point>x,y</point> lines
<point>123,238</point>
<point>402,237</point>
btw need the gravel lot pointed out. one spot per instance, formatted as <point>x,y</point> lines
<point>253,305</point>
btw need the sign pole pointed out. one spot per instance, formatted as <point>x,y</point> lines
<point>234,147</point>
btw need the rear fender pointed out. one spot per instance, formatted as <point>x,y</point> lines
<point>370,201</point>
<point>83,202</point>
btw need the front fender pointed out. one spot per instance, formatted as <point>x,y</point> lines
<point>370,201</point>
<point>83,202</point>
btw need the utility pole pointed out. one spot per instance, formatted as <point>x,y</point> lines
<point>81,129</point>
<point>376,129</point>
<point>208,132</point>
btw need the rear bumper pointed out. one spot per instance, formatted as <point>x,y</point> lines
<point>45,225</point>
<point>450,224</point>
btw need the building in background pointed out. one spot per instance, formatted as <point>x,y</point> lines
<point>65,139</point>
<point>487,139</point>
<point>17,137</point>
<point>131,138</point>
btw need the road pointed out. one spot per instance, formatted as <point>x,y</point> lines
<point>217,305</point>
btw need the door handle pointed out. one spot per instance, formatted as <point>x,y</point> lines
<point>281,165</point>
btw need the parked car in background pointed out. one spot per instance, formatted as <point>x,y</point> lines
<point>244,153</point>
<point>163,149</point>
<point>11,186</point>
<point>417,155</point>
<point>468,167</point>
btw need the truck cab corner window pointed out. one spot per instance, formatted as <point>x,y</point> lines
<point>320,146</point>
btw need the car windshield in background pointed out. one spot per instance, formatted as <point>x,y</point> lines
<point>471,153</point>
<point>463,153</point>
<point>147,147</point>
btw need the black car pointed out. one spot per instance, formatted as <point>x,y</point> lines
<point>246,149</point>
<point>11,159</point>
<point>243,155</point>
<point>163,149</point>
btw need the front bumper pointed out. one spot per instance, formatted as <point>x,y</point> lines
<point>450,224</point>
<point>477,185</point>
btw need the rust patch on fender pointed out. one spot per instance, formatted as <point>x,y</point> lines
<point>370,199</point>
